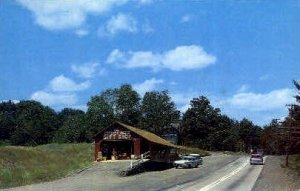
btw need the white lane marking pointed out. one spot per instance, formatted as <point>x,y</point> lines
<point>215,183</point>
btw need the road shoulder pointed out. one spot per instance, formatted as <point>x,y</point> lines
<point>274,177</point>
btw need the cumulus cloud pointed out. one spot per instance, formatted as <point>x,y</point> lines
<point>81,32</point>
<point>54,99</point>
<point>117,24</point>
<point>276,99</point>
<point>60,92</point>
<point>88,70</point>
<point>180,58</point>
<point>61,15</point>
<point>147,85</point>
<point>64,84</point>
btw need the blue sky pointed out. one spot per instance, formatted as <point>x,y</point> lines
<point>242,55</point>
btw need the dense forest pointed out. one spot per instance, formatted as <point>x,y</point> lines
<point>31,123</point>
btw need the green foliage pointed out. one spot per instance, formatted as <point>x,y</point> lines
<point>36,124</point>
<point>158,111</point>
<point>27,165</point>
<point>7,119</point>
<point>113,104</point>
<point>199,122</point>
<point>100,113</point>
<point>272,141</point>
<point>204,126</point>
<point>73,129</point>
<point>128,105</point>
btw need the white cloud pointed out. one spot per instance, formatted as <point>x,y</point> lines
<point>182,100</point>
<point>143,59</point>
<point>145,2</point>
<point>64,84</point>
<point>185,18</point>
<point>88,70</point>
<point>180,58</point>
<point>147,85</point>
<point>116,57</point>
<point>60,15</point>
<point>81,32</point>
<point>54,99</point>
<point>276,99</point>
<point>117,24</point>
<point>187,57</point>
<point>13,101</point>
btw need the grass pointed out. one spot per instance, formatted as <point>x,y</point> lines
<point>295,162</point>
<point>189,150</point>
<point>27,165</point>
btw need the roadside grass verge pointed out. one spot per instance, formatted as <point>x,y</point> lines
<point>295,163</point>
<point>27,165</point>
<point>188,150</point>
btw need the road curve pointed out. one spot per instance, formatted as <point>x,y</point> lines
<point>239,176</point>
<point>103,176</point>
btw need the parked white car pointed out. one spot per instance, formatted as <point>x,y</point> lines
<point>186,162</point>
<point>198,157</point>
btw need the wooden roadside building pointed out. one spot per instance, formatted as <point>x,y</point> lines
<point>120,141</point>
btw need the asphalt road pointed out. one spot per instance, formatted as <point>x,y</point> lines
<point>212,175</point>
<point>239,176</point>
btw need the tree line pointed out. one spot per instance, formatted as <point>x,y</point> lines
<point>202,125</point>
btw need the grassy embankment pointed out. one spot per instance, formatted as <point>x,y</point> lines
<point>295,162</point>
<point>188,150</point>
<point>27,165</point>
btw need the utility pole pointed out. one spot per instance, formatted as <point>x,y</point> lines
<point>291,132</point>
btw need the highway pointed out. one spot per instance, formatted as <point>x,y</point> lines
<point>239,176</point>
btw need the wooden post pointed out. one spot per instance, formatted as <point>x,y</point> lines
<point>137,146</point>
<point>97,148</point>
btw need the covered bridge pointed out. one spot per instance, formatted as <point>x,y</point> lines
<point>120,141</point>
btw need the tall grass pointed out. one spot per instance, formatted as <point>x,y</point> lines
<point>27,165</point>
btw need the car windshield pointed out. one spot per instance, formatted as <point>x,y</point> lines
<point>255,156</point>
<point>188,158</point>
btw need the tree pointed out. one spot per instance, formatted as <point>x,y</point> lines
<point>100,114</point>
<point>36,124</point>
<point>250,134</point>
<point>272,140</point>
<point>73,129</point>
<point>128,105</point>
<point>199,122</point>
<point>66,113</point>
<point>158,111</point>
<point>7,120</point>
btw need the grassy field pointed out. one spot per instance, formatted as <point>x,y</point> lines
<point>27,165</point>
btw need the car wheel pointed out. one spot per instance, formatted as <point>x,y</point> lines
<point>176,166</point>
<point>189,166</point>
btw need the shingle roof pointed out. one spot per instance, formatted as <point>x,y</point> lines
<point>147,135</point>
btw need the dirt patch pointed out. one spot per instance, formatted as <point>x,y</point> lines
<point>275,177</point>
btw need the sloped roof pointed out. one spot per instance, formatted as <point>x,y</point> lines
<point>146,135</point>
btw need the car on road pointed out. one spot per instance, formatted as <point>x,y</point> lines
<point>260,152</point>
<point>198,157</point>
<point>187,162</point>
<point>256,159</point>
